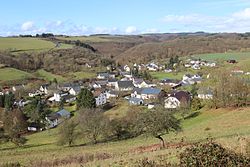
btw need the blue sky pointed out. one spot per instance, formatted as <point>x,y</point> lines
<point>84,17</point>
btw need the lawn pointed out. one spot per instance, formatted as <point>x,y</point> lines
<point>83,74</point>
<point>27,44</point>
<point>48,76</point>
<point>224,56</point>
<point>8,74</point>
<point>224,125</point>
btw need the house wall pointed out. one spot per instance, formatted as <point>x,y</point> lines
<point>172,102</point>
<point>101,99</point>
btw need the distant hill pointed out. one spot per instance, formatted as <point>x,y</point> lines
<point>75,51</point>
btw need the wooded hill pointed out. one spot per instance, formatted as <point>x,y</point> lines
<point>122,49</point>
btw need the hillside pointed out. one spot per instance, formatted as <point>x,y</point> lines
<point>233,122</point>
<point>184,46</point>
<point>27,45</point>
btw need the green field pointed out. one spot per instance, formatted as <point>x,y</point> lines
<point>27,44</point>
<point>7,74</point>
<point>224,125</point>
<point>82,74</point>
<point>224,56</point>
<point>48,76</point>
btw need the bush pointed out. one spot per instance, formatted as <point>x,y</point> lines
<point>211,154</point>
<point>12,164</point>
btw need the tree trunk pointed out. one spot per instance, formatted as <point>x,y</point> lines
<point>162,141</point>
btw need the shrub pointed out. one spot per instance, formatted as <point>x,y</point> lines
<point>12,164</point>
<point>211,154</point>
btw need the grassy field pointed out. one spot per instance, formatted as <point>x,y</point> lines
<point>27,44</point>
<point>224,125</point>
<point>82,75</point>
<point>224,56</point>
<point>100,38</point>
<point>49,76</point>
<point>162,75</point>
<point>8,74</point>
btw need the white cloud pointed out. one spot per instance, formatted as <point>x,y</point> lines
<point>27,26</point>
<point>151,30</point>
<point>242,15</point>
<point>131,30</point>
<point>235,22</point>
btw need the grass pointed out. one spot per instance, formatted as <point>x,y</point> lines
<point>8,74</point>
<point>83,75</point>
<point>224,56</point>
<point>162,75</point>
<point>99,38</point>
<point>225,125</point>
<point>48,76</point>
<point>27,44</point>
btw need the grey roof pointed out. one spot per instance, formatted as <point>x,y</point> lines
<point>138,90</point>
<point>76,88</point>
<point>135,100</point>
<point>112,80</point>
<point>154,91</point>
<point>63,113</point>
<point>68,97</point>
<point>101,82</point>
<point>167,80</point>
<point>125,84</point>
<point>103,74</point>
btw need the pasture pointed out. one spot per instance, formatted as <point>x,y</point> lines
<point>8,74</point>
<point>27,45</point>
<point>224,125</point>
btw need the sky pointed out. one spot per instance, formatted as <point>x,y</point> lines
<point>85,17</point>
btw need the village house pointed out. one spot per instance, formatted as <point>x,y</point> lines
<point>140,83</point>
<point>176,99</point>
<point>152,67</point>
<point>170,82</point>
<point>205,93</point>
<point>112,94</point>
<point>55,118</point>
<point>112,82</point>
<point>146,93</point>
<point>136,101</point>
<point>126,68</point>
<point>188,79</point>
<point>124,86</point>
<point>102,75</point>
<point>36,93</point>
<point>100,97</point>
<point>61,95</point>
<point>75,90</point>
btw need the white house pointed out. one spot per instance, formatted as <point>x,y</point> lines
<point>188,79</point>
<point>126,68</point>
<point>55,118</point>
<point>146,93</point>
<point>140,83</point>
<point>44,88</point>
<point>102,75</point>
<point>100,98</point>
<point>112,94</point>
<point>75,90</point>
<point>36,93</point>
<point>175,100</point>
